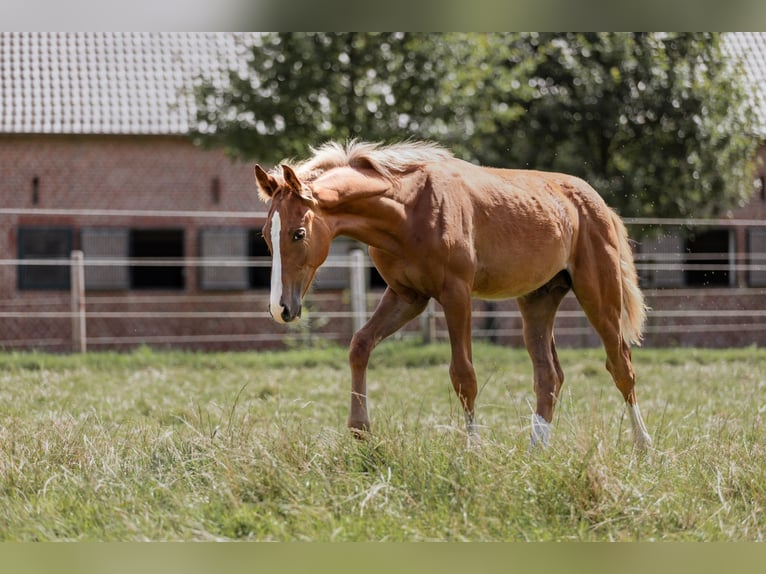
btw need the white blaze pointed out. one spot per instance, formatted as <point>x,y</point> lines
<point>276,269</point>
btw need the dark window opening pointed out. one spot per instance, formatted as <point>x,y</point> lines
<point>260,276</point>
<point>756,248</point>
<point>157,244</point>
<point>376,279</point>
<point>44,243</point>
<point>35,190</point>
<point>707,259</point>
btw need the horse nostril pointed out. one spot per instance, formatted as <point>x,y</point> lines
<point>288,315</point>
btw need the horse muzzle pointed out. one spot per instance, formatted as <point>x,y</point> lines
<point>285,313</point>
<point>290,314</point>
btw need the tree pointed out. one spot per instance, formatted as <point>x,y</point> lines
<point>302,89</point>
<point>657,123</point>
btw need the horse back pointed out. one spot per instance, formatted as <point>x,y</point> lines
<point>520,226</point>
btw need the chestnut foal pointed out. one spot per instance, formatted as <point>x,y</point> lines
<point>438,227</point>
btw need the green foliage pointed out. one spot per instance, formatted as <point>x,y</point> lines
<point>253,446</point>
<point>302,89</point>
<point>660,124</point>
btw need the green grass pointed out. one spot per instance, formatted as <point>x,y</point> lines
<point>253,446</point>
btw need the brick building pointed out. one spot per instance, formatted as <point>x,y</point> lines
<point>95,156</point>
<point>94,148</point>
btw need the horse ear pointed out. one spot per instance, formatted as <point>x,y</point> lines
<point>267,185</point>
<point>291,179</point>
<point>295,186</point>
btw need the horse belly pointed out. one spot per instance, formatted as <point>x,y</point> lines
<point>517,274</point>
<point>520,248</point>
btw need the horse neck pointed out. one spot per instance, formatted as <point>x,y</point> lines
<point>375,221</point>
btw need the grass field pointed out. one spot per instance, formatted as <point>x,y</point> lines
<point>253,446</point>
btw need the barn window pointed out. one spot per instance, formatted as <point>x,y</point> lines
<point>662,261</point>
<point>708,259</point>
<point>157,244</point>
<point>757,257</point>
<point>238,247</point>
<point>111,247</point>
<point>53,243</point>
<point>336,276</point>
<point>260,276</point>
<point>230,246</point>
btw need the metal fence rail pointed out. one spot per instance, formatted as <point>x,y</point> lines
<point>81,308</point>
<point>82,319</point>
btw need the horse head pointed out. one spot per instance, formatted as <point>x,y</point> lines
<point>297,237</point>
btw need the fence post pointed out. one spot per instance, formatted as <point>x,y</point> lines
<point>428,323</point>
<point>79,336</point>
<point>358,289</point>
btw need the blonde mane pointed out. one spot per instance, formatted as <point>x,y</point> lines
<point>385,160</point>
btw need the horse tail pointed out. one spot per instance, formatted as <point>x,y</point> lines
<point>634,309</point>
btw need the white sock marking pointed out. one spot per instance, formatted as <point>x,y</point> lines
<point>541,431</point>
<point>276,269</point>
<point>640,434</point>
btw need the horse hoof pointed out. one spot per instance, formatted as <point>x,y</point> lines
<point>360,431</point>
<point>643,442</point>
<point>541,432</point>
<point>473,441</point>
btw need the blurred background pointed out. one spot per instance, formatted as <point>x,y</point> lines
<point>130,215</point>
<point>337,15</point>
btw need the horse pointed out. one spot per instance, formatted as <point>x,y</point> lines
<point>441,228</point>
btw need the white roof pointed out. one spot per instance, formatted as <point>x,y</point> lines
<point>109,83</point>
<point>750,49</point>
<point>141,83</point>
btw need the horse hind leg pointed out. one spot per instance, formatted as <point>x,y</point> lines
<point>538,311</point>
<point>597,283</point>
<point>620,366</point>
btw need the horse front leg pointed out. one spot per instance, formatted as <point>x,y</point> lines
<point>392,313</point>
<point>457,312</point>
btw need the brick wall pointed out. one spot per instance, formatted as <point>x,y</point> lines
<point>121,172</point>
<point>117,172</point>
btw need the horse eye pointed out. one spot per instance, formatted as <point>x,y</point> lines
<point>299,234</point>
